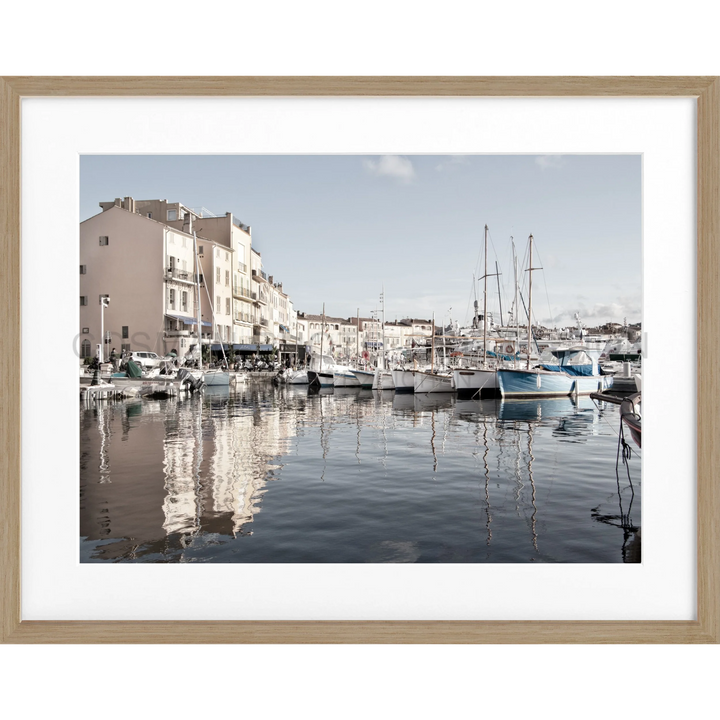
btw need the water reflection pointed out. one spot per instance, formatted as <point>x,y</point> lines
<point>264,474</point>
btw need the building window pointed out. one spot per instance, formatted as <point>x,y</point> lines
<point>83,269</point>
<point>200,250</point>
<point>172,215</point>
<point>125,347</point>
<point>150,215</point>
<point>83,299</point>
<point>85,349</point>
<point>104,240</point>
<point>217,275</point>
<point>184,301</point>
<point>227,278</point>
<point>227,306</point>
<point>125,332</point>
<point>217,303</point>
<point>86,331</point>
<point>172,299</point>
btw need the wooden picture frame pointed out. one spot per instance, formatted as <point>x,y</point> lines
<point>706,629</point>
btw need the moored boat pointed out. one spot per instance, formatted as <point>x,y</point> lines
<point>344,377</point>
<point>428,382</point>
<point>404,380</point>
<point>383,380</point>
<point>365,378</point>
<point>476,382</point>
<point>630,414</point>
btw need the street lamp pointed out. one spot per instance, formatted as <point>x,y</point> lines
<point>104,302</point>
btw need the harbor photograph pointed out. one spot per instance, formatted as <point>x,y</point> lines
<point>360,359</point>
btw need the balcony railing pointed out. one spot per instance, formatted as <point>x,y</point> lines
<point>242,267</point>
<point>239,291</point>
<point>175,274</point>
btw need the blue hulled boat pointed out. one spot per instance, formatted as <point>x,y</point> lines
<point>571,371</point>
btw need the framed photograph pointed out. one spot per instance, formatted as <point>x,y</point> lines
<point>388,388</point>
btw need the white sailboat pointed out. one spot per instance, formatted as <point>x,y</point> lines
<point>433,382</point>
<point>383,379</point>
<point>478,382</point>
<point>320,372</point>
<point>344,375</point>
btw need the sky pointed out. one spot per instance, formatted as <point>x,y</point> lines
<point>338,229</point>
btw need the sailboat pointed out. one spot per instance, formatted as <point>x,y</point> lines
<point>343,375</point>
<point>320,372</point>
<point>433,382</point>
<point>383,379</point>
<point>478,382</point>
<point>560,371</point>
<point>214,377</point>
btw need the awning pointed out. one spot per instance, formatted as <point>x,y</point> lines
<point>247,348</point>
<point>283,328</point>
<point>187,320</point>
<point>265,348</point>
<point>217,347</point>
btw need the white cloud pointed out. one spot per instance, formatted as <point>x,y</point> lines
<point>550,161</point>
<point>393,166</point>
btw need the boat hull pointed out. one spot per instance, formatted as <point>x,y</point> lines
<point>216,378</point>
<point>365,378</point>
<point>345,380</point>
<point>383,380</point>
<point>431,383</point>
<point>298,377</point>
<point>539,383</point>
<point>476,383</point>
<point>404,381</point>
<point>320,379</point>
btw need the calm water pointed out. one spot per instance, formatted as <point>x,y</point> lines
<point>277,475</point>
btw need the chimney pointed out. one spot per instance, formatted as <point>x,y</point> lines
<point>129,204</point>
<point>270,279</point>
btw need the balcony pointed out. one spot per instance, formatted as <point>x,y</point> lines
<point>242,267</point>
<point>242,292</point>
<point>179,275</point>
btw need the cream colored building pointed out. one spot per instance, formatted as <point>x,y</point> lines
<point>147,269</point>
<point>227,230</point>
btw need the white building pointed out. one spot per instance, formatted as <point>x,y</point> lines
<point>147,269</point>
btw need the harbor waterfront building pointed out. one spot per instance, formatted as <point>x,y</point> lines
<point>141,253</point>
<point>146,268</point>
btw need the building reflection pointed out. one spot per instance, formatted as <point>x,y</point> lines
<point>208,462</point>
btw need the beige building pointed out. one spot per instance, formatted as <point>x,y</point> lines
<point>227,230</point>
<point>147,269</point>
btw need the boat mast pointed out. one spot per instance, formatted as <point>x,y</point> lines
<point>197,293</point>
<point>515,306</point>
<point>432,352</point>
<point>530,270</point>
<point>357,340</point>
<point>382,332</point>
<point>322,334</point>
<point>497,275</point>
<point>485,305</point>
